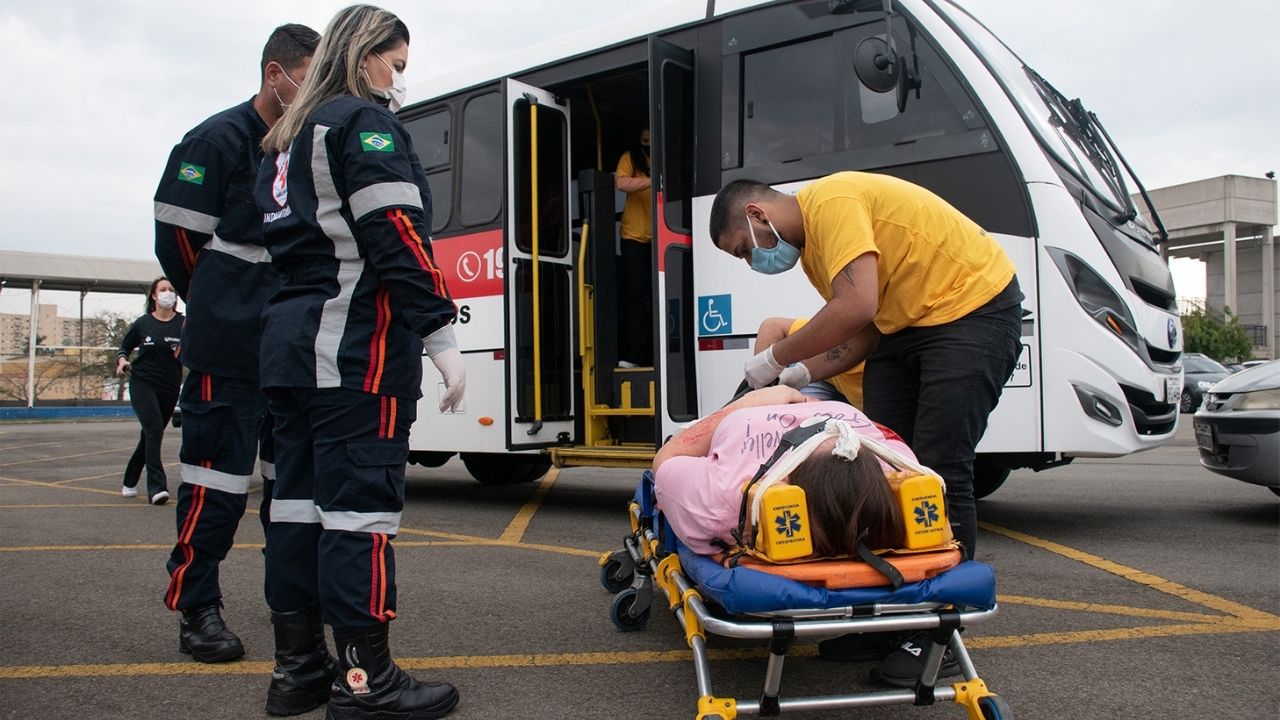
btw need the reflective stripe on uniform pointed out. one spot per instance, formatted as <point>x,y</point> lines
<point>267,470</point>
<point>333,317</point>
<point>382,195</point>
<point>366,522</point>
<point>216,479</point>
<point>184,218</point>
<point>333,322</point>
<point>294,511</point>
<point>247,253</point>
<point>328,204</point>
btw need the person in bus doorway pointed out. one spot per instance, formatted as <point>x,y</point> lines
<point>208,240</point>
<point>636,267</point>
<point>912,286</point>
<point>347,210</point>
<point>154,377</point>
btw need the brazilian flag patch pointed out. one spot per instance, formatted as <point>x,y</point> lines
<point>376,142</point>
<point>193,174</point>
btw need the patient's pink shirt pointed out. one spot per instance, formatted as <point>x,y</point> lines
<point>701,496</point>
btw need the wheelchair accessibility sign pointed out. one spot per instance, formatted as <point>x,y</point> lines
<point>715,315</point>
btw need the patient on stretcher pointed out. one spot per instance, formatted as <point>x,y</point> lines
<point>701,472</point>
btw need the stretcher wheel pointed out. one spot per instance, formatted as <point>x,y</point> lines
<point>621,612</point>
<point>994,707</point>
<point>616,575</point>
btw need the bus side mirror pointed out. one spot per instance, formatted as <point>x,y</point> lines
<point>877,65</point>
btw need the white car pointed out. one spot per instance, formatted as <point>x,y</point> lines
<point>1238,429</point>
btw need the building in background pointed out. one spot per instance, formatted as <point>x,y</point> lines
<point>1228,223</point>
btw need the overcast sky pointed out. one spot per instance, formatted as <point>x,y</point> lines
<point>97,93</point>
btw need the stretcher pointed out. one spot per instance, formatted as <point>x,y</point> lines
<point>748,601</point>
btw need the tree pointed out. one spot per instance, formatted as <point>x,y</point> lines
<point>1220,337</point>
<point>106,329</point>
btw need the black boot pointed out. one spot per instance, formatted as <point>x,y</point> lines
<point>203,635</point>
<point>304,668</point>
<point>370,686</point>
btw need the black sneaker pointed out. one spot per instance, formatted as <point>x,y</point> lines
<point>859,647</point>
<point>901,668</point>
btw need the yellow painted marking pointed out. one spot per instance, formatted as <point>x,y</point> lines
<point>1124,610</point>
<point>117,473</point>
<point>140,546</point>
<point>520,523</point>
<point>37,483</point>
<point>1115,634</point>
<point>31,445</point>
<point>127,505</point>
<point>67,457</point>
<point>1133,575</point>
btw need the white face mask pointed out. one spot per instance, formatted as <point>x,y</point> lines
<point>394,95</point>
<point>283,106</point>
<point>166,299</point>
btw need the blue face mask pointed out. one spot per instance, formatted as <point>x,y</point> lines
<point>771,261</point>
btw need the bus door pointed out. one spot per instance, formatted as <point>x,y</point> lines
<point>671,130</point>
<point>539,274</point>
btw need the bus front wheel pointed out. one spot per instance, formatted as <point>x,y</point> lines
<point>496,469</point>
<point>988,476</point>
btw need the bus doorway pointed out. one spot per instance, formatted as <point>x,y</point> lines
<point>623,400</point>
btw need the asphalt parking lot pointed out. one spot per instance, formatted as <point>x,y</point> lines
<point>1143,587</point>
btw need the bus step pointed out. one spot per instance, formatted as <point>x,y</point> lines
<point>614,456</point>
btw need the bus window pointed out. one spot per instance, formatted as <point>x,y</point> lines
<point>482,149</point>
<point>787,109</point>
<point>677,146</point>
<point>553,182</point>
<point>431,135</point>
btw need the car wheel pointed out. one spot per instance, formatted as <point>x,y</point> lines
<point>1188,403</point>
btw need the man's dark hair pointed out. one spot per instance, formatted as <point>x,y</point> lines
<point>288,46</point>
<point>727,207</point>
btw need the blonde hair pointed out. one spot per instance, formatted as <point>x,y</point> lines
<point>335,70</point>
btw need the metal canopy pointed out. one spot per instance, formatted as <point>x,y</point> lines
<point>18,270</point>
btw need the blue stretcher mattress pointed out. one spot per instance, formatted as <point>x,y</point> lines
<point>740,590</point>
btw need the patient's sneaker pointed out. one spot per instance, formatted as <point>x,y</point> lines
<point>857,647</point>
<point>126,491</point>
<point>901,668</point>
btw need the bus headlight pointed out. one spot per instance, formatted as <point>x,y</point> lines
<point>1098,299</point>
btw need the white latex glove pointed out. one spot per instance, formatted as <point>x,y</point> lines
<point>762,369</point>
<point>796,376</point>
<point>442,348</point>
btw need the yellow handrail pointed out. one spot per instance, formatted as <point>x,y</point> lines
<point>537,298</point>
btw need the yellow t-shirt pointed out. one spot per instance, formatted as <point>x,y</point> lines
<point>637,219</point>
<point>934,264</point>
<point>849,382</point>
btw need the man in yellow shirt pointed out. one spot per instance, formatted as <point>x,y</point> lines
<point>912,286</point>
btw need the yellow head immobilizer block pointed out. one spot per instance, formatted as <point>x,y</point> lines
<point>923,511</point>
<point>783,531</point>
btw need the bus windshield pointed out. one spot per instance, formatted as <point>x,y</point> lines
<point>1068,131</point>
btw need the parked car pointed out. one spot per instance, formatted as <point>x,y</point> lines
<point>1238,429</point>
<point>1199,373</point>
<point>1252,363</point>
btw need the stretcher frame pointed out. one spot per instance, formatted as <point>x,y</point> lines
<point>632,572</point>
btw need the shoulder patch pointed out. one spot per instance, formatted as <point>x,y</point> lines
<point>376,142</point>
<point>194,174</point>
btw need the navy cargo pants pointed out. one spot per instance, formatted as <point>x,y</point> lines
<point>222,423</point>
<point>337,499</point>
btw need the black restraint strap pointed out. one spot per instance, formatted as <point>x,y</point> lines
<point>877,562</point>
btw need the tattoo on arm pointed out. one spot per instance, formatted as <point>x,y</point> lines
<point>847,274</point>
<point>837,352</point>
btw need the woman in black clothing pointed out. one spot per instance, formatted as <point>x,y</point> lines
<point>155,375</point>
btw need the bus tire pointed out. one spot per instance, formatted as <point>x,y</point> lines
<point>501,469</point>
<point>988,476</point>
<point>429,459</point>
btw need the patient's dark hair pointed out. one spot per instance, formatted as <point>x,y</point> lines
<point>844,497</point>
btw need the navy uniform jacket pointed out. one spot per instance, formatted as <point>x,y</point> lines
<point>209,241</point>
<point>346,215</point>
